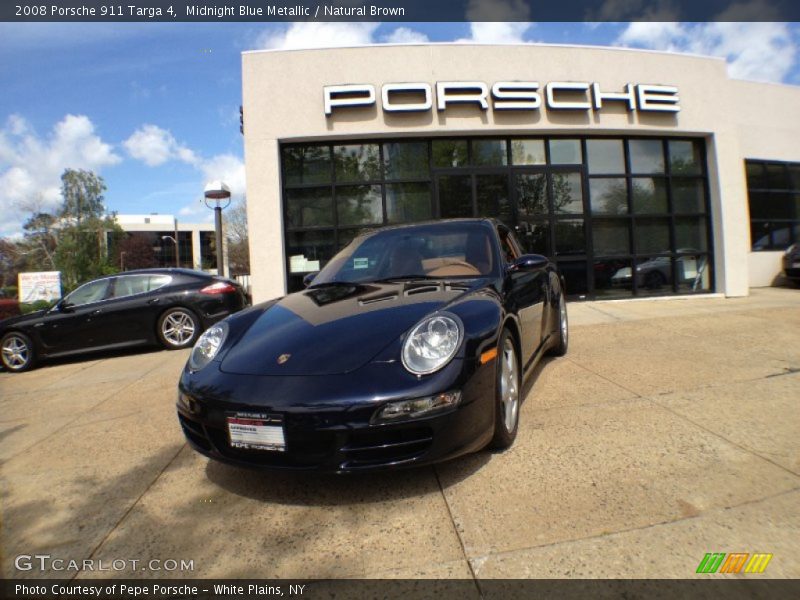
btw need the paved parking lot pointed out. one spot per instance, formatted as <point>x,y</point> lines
<point>671,429</point>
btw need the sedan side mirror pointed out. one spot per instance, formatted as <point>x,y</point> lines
<point>64,306</point>
<point>309,278</point>
<point>528,262</point>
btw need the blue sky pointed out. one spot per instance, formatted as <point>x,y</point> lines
<point>153,107</point>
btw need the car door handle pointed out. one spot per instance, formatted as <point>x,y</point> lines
<point>94,313</point>
<point>154,301</point>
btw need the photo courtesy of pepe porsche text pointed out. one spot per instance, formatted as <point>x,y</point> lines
<point>143,590</point>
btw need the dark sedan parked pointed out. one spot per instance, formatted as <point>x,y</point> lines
<point>410,347</point>
<point>167,306</point>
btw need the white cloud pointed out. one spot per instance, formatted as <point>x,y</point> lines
<point>227,167</point>
<point>753,50</point>
<point>196,212</point>
<point>312,34</point>
<point>496,33</point>
<point>404,35</point>
<point>154,146</point>
<point>655,35</point>
<point>31,165</point>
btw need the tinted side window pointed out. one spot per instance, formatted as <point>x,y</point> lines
<point>94,291</point>
<point>129,285</point>
<point>158,281</point>
<point>508,246</point>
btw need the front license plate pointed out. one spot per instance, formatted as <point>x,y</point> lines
<point>256,431</point>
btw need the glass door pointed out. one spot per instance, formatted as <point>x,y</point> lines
<point>476,194</point>
<point>550,219</point>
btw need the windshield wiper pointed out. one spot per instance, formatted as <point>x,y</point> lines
<point>394,278</point>
<point>333,283</point>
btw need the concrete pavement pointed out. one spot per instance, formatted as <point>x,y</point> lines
<point>671,429</point>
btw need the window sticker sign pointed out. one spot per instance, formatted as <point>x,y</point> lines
<point>43,285</point>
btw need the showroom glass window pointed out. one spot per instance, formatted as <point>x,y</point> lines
<point>621,216</point>
<point>774,197</point>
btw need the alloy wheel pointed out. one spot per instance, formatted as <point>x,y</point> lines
<point>509,386</point>
<point>178,328</point>
<point>15,352</point>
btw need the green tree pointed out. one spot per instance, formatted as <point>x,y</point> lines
<point>39,244</point>
<point>81,253</point>
<point>82,192</point>
<point>238,239</point>
<point>11,258</point>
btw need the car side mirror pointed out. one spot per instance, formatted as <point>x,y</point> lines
<point>309,278</point>
<point>64,306</point>
<point>528,262</point>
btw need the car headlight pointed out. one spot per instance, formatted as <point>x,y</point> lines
<point>418,407</point>
<point>207,346</point>
<point>790,250</point>
<point>431,344</point>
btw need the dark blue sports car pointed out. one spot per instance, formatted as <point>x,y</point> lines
<point>408,348</point>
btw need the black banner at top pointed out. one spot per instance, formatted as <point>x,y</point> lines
<point>397,10</point>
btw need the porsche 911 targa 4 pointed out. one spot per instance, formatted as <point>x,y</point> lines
<point>410,347</point>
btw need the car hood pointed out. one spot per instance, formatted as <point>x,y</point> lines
<point>335,329</point>
<point>26,319</point>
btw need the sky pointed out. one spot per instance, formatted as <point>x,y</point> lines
<point>154,107</point>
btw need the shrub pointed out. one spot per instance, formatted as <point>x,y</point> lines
<point>26,307</point>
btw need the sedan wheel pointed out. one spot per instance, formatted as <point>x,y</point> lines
<point>178,328</point>
<point>16,352</point>
<point>507,394</point>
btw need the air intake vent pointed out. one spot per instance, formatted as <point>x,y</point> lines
<point>374,299</point>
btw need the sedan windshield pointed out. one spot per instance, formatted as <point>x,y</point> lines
<point>437,251</point>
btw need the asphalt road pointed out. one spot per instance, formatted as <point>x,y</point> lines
<point>671,429</point>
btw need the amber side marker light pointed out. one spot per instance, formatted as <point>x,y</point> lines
<point>488,355</point>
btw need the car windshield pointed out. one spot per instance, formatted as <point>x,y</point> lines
<point>437,251</point>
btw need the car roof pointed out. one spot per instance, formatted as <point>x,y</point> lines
<point>154,271</point>
<point>470,220</point>
<point>163,271</point>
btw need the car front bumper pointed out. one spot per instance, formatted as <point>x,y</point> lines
<point>327,419</point>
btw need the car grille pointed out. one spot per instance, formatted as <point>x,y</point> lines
<point>366,449</point>
<point>345,449</point>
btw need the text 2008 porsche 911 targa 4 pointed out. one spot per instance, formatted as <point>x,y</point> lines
<point>408,348</point>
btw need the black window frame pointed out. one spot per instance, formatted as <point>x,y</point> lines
<point>772,190</point>
<point>340,235</point>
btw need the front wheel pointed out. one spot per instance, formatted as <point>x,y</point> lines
<point>562,343</point>
<point>178,328</point>
<point>507,393</point>
<point>16,352</point>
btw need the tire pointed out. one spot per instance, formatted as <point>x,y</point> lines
<point>562,343</point>
<point>178,328</point>
<point>508,387</point>
<point>16,352</point>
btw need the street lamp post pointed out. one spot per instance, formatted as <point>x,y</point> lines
<point>122,260</point>
<point>174,241</point>
<point>217,196</point>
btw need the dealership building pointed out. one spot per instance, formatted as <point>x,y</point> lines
<point>640,173</point>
